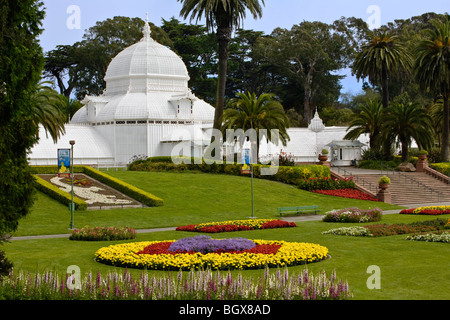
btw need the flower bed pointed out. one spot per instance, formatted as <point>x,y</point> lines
<point>237,225</point>
<point>347,193</point>
<point>156,255</point>
<point>378,230</point>
<point>353,215</point>
<point>432,210</point>
<point>103,234</point>
<point>195,285</point>
<point>431,237</point>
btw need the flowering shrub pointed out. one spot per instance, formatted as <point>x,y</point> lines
<point>432,210</point>
<point>237,225</point>
<point>378,230</point>
<point>353,215</point>
<point>195,285</point>
<point>350,231</point>
<point>431,237</point>
<point>156,256</point>
<point>103,234</point>
<point>347,193</point>
<point>326,183</point>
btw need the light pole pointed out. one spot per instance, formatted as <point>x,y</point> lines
<point>72,205</point>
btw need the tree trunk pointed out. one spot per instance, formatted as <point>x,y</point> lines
<point>307,115</point>
<point>223,38</point>
<point>445,129</point>
<point>385,102</point>
<point>404,150</point>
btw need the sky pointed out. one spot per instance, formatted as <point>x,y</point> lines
<point>67,20</point>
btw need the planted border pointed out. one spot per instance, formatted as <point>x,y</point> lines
<point>57,194</point>
<point>138,194</point>
<point>237,225</point>
<point>288,175</point>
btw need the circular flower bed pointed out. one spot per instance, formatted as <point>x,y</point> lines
<point>203,253</point>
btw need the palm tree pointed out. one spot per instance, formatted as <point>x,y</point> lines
<point>47,110</point>
<point>432,69</point>
<point>378,59</point>
<point>251,112</point>
<point>367,120</point>
<point>224,15</point>
<point>407,121</point>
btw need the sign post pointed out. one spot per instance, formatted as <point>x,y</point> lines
<point>72,205</point>
<point>247,168</point>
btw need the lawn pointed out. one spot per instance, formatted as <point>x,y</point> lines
<point>409,269</point>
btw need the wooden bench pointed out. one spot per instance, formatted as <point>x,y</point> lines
<point>298,210</point>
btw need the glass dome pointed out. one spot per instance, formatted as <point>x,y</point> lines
<point>144,67</point>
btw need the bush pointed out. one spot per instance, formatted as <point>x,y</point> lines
<point>60,195</point>
<point>103,234</point>
<point>328,183</point>
<point>353,215</point>
<point>131,191</point>
<point>443,168</point>
<point>285,174</point>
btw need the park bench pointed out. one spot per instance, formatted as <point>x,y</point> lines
<point>298,210</point>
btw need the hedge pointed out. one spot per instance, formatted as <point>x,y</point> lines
<point>289,175</point>
<point>60,195</point>
<point>443,168</point>
<point>140,195</point>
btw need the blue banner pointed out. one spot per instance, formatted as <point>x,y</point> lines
<point>64,163</point>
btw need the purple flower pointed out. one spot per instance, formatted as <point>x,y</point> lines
<point>205,244</point>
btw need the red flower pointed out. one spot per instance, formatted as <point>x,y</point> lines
<point>347,193</point>
<point>163,248</point>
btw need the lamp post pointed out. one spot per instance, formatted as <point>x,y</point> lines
<point>72,205</point>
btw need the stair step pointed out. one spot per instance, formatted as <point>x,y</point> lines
<point>404,187</point>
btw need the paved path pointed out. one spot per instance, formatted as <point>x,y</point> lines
<point>289,219</point>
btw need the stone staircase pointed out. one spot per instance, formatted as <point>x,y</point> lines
<point>406,187</point>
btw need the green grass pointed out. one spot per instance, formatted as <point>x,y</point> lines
<point>409,269</point>
<point>189,198</point>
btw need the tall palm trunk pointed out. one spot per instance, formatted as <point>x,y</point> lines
<point>224,30</point>
<point>385,102</point>
<point>445,129</point>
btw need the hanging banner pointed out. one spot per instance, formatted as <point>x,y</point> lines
<point>246,168</point>
<point>64,163</point>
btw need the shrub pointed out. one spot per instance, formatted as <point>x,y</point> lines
<point>328,183</point>
<point>131,191</point>
<point>384,180</point>
<point>443,168</point>
<point>60,195</point>
<point>378,230</point>
<point>353,215</point>
<point>285,174</point>
<point>103,234</point>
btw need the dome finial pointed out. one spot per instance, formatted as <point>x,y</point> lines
<point>147,30</point>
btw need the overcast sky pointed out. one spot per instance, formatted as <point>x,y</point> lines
<point>67,20</point>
